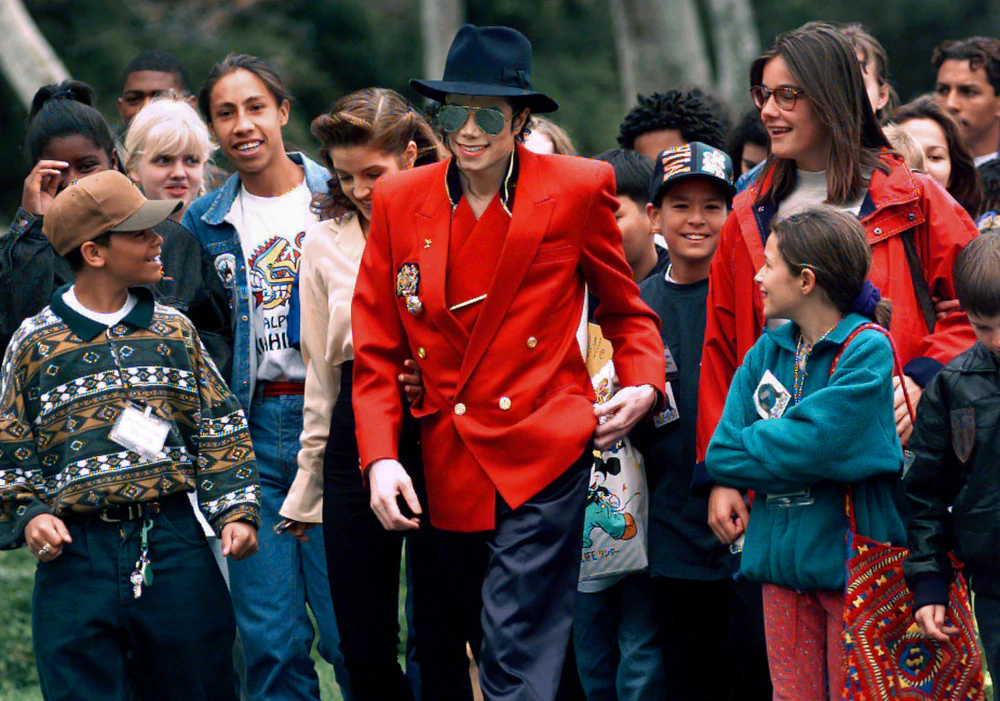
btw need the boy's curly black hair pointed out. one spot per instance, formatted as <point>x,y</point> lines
<point>672,110</point>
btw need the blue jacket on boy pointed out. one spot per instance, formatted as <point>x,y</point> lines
<point>843,430</point>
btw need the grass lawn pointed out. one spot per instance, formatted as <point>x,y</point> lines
<point>18,678</point>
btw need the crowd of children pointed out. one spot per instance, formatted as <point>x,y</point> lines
<point>306,374</point>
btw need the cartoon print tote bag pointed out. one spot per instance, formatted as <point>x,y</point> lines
<point>614,526</point>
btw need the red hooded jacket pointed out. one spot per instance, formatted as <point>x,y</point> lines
<point>895,203</point>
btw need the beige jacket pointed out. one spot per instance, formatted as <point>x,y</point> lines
<point>327,273</point>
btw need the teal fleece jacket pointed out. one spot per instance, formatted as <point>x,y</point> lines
<point>842,431</point>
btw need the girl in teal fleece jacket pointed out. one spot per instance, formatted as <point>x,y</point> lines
<point>795,434</point>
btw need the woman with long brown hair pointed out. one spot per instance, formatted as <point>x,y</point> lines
<point>827,147</point>
<point>946,157</point>
<point>367,135</point>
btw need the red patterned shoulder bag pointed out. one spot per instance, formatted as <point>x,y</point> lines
<point>887,657</point>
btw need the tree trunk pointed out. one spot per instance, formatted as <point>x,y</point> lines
<point>734,37</point>
<point>26,59</point>
<point>660,45</point>
<point>440,21</point>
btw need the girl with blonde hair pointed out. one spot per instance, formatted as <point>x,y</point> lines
<point>167,148</point>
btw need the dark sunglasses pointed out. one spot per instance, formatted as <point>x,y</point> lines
<point>784,97</point>
<point>489,119</point>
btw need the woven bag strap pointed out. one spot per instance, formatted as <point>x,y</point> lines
<point>897,368</point>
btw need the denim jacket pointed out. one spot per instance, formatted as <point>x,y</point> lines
<point>206,219</point>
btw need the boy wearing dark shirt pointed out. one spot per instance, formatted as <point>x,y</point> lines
<point>705,614</point>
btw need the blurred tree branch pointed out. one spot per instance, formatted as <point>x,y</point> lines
<point>26,59</point>
<point>440,21</point>
<point>736,44</point>
<point>663,44</point>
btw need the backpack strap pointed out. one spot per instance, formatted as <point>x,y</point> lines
<point>852,523</point>
<point>897,366</point>
<point>920,286</point>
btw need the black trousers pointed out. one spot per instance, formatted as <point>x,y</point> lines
<point>713,639</point>
<point>986,601</point>
<point>363,561</point>
<point>515,587</point>
<point>94,640</point>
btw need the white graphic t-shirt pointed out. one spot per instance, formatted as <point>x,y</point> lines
<point>271,231</point>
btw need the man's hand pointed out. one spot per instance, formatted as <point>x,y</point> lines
<point>411,382</point>
<point>930,618</point>
<point>621,413</point>
<point>239,540</point>
<point>41,185</point>
<point>904,423</point>
<point>297,529</point>
<point>727,514</point>
<point>387,480</point>
<point>944,307</point>
<point>46,535</point>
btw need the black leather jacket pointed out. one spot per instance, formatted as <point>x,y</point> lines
<point>30,272</point>
<point>953,486</point>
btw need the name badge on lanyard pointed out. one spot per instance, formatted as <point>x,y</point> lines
<point>140,431</point>
<point>670,412</point>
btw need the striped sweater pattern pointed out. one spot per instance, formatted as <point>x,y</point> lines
<point>65,381</point>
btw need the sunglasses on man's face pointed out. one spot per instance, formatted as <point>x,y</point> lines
<point>784,97</point>
<point>489,119</point>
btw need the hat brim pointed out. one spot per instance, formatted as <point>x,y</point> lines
<point>657,192</point>
<point>149,215</point>
<point>438,90</point>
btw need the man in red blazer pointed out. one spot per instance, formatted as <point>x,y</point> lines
<point>476,268</point>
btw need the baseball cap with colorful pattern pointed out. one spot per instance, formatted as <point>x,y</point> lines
<point>691,160</point>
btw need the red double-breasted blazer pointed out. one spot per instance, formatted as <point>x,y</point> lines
<point>507,405</point>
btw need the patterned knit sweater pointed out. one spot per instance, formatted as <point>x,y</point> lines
<point>62,391</point>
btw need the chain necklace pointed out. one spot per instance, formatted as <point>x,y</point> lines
<point>802,352</point>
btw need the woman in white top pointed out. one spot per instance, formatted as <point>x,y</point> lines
<point>367,135</point>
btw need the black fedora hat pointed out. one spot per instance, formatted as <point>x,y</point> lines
<point>491,62</point>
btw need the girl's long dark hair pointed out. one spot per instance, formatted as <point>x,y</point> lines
<point>825,66</point>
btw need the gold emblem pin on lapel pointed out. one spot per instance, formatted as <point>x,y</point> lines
<point>408,288</point>
<point>427,243</point>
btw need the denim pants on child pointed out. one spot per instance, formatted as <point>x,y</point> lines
<point>94,639</point>
<point>616,642</point>
<point>271,589</point>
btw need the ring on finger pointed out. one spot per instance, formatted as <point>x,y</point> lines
<point>44,550</point>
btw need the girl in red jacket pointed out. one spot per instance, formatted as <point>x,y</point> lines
<point>827,147</point>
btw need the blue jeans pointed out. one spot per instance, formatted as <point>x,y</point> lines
<point>271,589</point>
<point>616,642</point>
